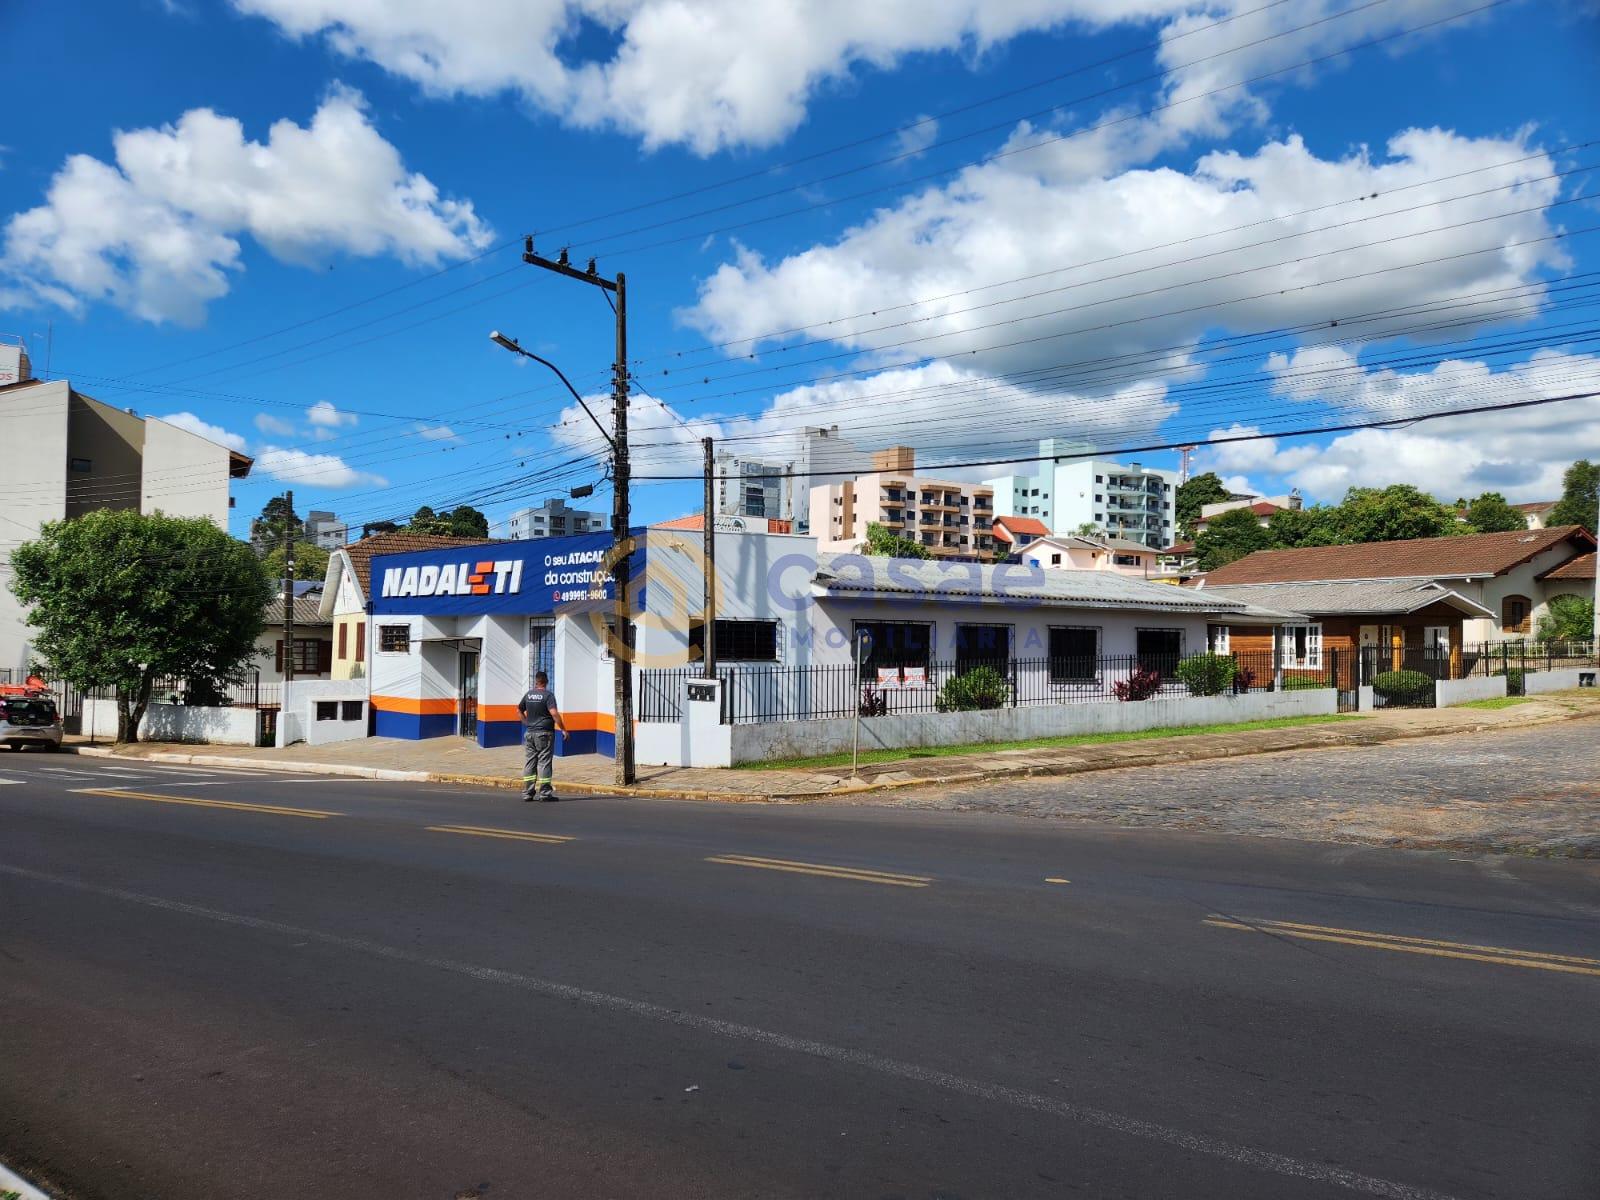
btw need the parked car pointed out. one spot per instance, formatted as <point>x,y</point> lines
<point>30,721</point>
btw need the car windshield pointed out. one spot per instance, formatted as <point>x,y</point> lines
<point>30,712</point>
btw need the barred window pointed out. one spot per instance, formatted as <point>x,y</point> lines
<point>1074,653</point>
<point>394,639</point>
<point>740,641</point>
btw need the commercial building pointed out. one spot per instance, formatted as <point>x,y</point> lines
<point>1069,490</point>
<point>66,454</point>
<point>947,518</point>
<point>553,518</point>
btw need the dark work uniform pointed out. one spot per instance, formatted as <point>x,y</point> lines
<point>539,742</point>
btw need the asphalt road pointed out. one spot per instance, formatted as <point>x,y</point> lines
<point>224,984</point>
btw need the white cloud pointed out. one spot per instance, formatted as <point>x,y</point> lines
<point>325,413</point>
<point>157,233</point>
<point>269,424</point>
<point>313,470</point>
<point>917,137</point>
<point>1520,453</point>
<point>212,433</point>
<point>1009,219</point>
<point>437,433</point>
<point>717,73</point>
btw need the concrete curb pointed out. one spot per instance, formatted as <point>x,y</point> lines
<point>10,1181</point>
<point>1317,737</point>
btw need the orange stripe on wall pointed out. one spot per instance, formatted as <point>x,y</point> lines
<point>602,722</point>
<point>499,712</point>
<point>414,706</point>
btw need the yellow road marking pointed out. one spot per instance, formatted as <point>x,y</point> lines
<point>1054,879</point>
<point>315,814</point>
<point>1532,959</point>
<point>858,874</point>
<point>518,835</point>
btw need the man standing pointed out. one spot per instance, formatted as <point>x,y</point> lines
<point>540,720</point>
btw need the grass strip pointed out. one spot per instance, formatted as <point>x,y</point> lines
<point>1494,702</point>
<point>1044,743</point>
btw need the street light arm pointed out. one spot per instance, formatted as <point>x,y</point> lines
<point>500,339</point>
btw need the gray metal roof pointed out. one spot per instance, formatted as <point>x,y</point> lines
<point>1377,597</point>
<point>306,611</point>
<point>1011,583</point>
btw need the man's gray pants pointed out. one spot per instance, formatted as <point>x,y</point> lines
<point>539,750</point>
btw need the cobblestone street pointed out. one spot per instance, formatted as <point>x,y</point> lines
<point>1534,790</point>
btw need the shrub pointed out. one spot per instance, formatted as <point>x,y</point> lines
<point>1244,680</point>
<point>1402,687</point>
<point>1303,683</point>
<point>1207,674</point>
<point>981,687</point>
<point>1141,685</point>
<point>1514,677</point>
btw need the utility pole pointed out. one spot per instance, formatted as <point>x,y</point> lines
<point>622,657</point>
<point>288,588</point>
<point>708,608</point>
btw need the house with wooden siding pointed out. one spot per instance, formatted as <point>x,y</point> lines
<point>1509,577</point>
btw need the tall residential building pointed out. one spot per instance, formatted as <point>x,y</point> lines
<point>65,454</point>
<point>780,483</point>
<point>1069,490</point>
<point>551,519</point>
<point>947,518</point>
<point>326,530</point>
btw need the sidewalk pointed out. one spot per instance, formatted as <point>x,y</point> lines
<point>456,760</point>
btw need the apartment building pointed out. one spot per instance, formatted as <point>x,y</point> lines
<point>66,454</point>
<point>778,485</point>
<point>553,518</point>
<point>1070,490</point>
<point>947,518</point>
<point>326,530</point>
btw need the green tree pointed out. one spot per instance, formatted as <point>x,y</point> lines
<point>268,531</point>
<point>1314,526</point>
<point>425,520</point>
<point>120,598</point>
<point>1580,494</point>
<point>1087,529</point>
<point>883,542</point>
<point>1228,536</point>
<point>467,522</point>
<point>310,562</point>
<point>1570,619</point>
<point>1490,513</point>
<point>1193,495</point>
<point>375,527</point>
<point>1397,512</point>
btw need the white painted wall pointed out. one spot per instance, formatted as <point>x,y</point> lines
<point>297,721</point>
<point>1539,683</point>
<point>176,723</point>
<point>184,475</point>
<point>797,739</point>
<point>1447,692</point>
<point>33,465</point>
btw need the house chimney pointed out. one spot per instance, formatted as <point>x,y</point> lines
<point>14,365</point>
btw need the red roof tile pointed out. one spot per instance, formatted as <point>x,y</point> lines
<point>1013,525</point>
<point>1581,567</point>
<point>1418,558</point>
<point>400,542</point>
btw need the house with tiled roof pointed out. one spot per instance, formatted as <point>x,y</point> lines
<point>1093,552</point>
<point>345,591</point>
<point>1507,577</point>
<point>1011,534</point>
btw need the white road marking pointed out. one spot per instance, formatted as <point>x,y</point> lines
<point>1194,1143</point>
<point>70,771</point>
<point>3,782</point>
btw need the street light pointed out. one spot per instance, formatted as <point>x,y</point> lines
<point>505,343</point>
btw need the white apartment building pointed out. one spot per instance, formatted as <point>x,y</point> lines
<point>947,518</point>
<point>64,454</point>
<point>551,519</point>
<point>778,485</point>
<point>1068,491</point>
<point>326,530</point>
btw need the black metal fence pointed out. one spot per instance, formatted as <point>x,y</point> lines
<point>252,693</point>
<point>1405,677</point>
<point>754,693</point>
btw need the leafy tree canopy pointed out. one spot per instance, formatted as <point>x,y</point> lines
<point>268,530</point>
<point>1490,513</point>
<point>1193,495</point>
<point>1228,536</point>
<point>1394,513</point>
<point>462,521</point>
<point>1580,494</point>
<point>1314,526</point>
<point>120,598</point>
<point>883,542</point>
<point>1571,619</point>
<point>310,562</point>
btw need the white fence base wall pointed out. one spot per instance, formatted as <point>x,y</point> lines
<point>1537,683</point>
<point>298,720</point>
<point>801,739</point>
<point>176,723</point>
<point>1462,691</point>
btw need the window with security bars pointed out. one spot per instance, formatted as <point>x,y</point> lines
<point>740,641</point>
<point>894,644</point>
<point>1074,653</point>
<point>394,639</point>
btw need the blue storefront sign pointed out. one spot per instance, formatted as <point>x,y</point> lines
<point>509,578</point>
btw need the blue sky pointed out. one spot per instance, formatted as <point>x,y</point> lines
<point>294,221</point>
